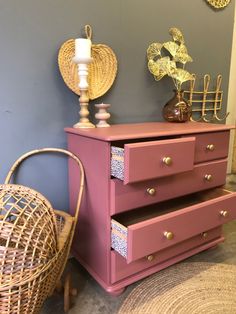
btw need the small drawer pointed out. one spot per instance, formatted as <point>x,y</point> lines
<point>203,176</point>
<point>147,160</point>
<point>138,233</point>
<point>210,146</point>
<point>120,269</point>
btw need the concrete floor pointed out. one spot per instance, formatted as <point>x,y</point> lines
<point>92,299</point>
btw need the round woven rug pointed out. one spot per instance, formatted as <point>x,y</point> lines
<point>185,288</point>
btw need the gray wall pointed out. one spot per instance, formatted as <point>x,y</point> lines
<point>36,105</point>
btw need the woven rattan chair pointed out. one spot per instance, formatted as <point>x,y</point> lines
<point>35,242</point>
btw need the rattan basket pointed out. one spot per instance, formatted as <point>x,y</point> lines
<point>35,242</point>
<point>102,70</point>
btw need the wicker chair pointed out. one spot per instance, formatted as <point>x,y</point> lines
<point>35,242</point>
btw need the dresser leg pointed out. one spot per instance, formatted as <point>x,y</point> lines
<point>116,293</point>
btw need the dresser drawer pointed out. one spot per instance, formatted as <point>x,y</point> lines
<point>138,233</point>
<point>203,176</point>
<point>120,269</point>
<point>210,146</point>
<point>147,160</point>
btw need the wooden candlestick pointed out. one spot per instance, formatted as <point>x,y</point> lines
<point>84,98</point>
<point>102,115</point>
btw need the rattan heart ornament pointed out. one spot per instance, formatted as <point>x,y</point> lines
<point>102,70</point>
<point>218,4</point>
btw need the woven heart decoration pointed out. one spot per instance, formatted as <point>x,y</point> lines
<point>102,70</point>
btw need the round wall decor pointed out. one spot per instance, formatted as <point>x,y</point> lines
<point>218,4</point>
<point>102,71</point>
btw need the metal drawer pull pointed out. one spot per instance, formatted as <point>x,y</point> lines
<point>208,177</point>
<point>167,161</point>
<point>204,235</point>
<point>210,147</point>
<point>224,213</point>
<point>169,235</point>
<point>151,191</point>
<point>150,258</point>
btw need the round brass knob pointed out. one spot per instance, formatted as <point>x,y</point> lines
<point>150,258</point>
<point>169,235</point>
<point>224,213</point>
<point>208,177</point>
<point>151,191</point>
<point>204,235</point>
<point>167,161</point>
<point>210,147</point>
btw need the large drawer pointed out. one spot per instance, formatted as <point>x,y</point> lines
<point>210,146</point>
<point>203,176</point>
<point>120,269</point>
<point>141,232</point>
<point>147,160</point>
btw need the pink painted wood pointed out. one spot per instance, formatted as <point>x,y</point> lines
<point>92,238</point>
<point>120,269</point>
<point>125,197</point>
<point>146,130</point>
<point>92,245</point>
<point>220,140</point>
<point>147,236</point>
<point>145,160</point>
<point>118,287</point>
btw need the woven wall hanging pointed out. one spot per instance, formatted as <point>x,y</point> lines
<point>218,4</point>
<point>102,70</point>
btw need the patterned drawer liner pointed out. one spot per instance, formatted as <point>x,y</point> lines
<point>119,238</point>
<point>117,162</point>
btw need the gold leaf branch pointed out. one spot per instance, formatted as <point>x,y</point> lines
<point>160,65</point>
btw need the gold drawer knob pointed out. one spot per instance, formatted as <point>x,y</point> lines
<point>224,213</point>
<point>204,235</point>
<point>150,258</point>
<point>169,235</point>
<point>208,177</point>
<point>210,147</point>
<point>151,191</point>
<point>167,161</point>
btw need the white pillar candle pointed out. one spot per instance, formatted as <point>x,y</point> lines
<point>83,48</point>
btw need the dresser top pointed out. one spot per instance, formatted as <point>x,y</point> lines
<point>148,129</point>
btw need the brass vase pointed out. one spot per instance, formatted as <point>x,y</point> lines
<point>177,109</point>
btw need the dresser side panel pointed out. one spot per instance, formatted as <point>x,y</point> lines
<point>92,239</point>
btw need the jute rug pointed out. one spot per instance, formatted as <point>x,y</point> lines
<point>185,288</point>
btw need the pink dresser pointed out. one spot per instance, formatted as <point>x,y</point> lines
<point>153,196</point>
